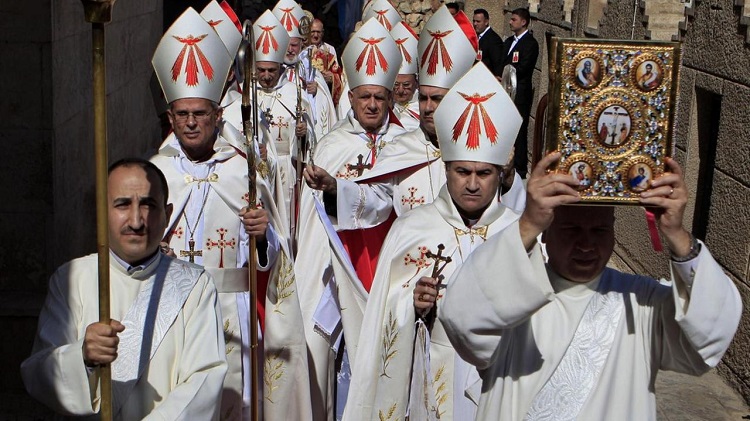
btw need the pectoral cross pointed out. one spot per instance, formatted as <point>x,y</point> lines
<point>281,125</point>
<point>192,252</point>
<point>360,166</point>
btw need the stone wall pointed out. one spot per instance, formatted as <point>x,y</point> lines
<point>48,208</point>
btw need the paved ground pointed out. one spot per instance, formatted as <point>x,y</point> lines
<point>686,398</point>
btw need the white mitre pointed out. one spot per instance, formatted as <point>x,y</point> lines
<point>407,41</point>
<point>445,53</point>
<point>289,13</point>
<point>371,57</point>
<point>384,12</point>
<point>270,39</point>
<point>477,120</point>
<point>225,22</point>
<point>191,61</point>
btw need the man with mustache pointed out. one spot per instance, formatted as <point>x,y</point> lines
<point>186,363</point>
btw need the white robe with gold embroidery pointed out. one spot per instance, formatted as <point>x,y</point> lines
<point>313,265</point>
<point>224,243</point>
<point>382,372</point>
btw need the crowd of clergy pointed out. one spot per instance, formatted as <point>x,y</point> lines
<point>404,268</point>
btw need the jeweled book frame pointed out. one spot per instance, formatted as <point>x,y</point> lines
<point>611,114</point>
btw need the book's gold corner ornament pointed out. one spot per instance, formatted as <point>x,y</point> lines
<point>612,111</point>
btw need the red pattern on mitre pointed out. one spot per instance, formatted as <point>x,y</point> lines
<point>477,120</point>
<point>407,42</point>
<point>445,53</point>
<point>191,61</point>
<point>224,24</point>
<point>270,39</point>
<point>289,13</point>
<point>384,12</point>
<point>371,57</point>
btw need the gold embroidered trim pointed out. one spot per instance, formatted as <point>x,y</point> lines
<point>272,373</point>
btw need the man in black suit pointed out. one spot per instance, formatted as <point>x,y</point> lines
<point>521,51</point>
<point>490,43</point>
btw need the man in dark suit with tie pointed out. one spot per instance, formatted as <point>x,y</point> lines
<point>521,51</point>
<point>490,43</point>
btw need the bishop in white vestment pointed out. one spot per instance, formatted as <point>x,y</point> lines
<point>409,171</point>
<point>576,340</point>
<point>424,247</point>
<point>346,152</point>
<point>213,221</point>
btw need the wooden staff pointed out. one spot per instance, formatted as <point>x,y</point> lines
<point>250,123</point>
<point>97,13</point>
<point>304,29</point>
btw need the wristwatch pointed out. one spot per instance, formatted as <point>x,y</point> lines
<point>695,249</point>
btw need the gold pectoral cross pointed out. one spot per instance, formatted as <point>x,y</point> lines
<point>192,252</point>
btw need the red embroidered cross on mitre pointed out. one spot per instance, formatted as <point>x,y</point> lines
<point>381,17</point>
<point>267,40</point>
<point>369,53</point>
<point>400,42</point>
<point>288,19</point>
<point>192,49</point>
<point>475,108</point>
<point>436,50</point>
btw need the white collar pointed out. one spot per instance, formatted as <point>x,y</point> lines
<point>517,37</point>
<point>484,32</point>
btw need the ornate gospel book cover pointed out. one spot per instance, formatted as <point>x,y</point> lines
<point>611,114</point>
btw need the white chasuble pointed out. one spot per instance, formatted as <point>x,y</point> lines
<point>383,370</point>
<point>530,317</point>
<point>323,111</point>
<point>220,238</point>
<point>175,362</point>
<point>338,153</point>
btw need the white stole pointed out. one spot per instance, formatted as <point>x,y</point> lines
<point>567,390</point>
<point>147,322</point>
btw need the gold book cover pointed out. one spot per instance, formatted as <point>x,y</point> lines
<point>611,114</point>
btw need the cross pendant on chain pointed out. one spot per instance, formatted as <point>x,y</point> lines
<point>190,254</point>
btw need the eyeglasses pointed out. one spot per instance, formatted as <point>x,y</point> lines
<point>406,85</point>
<point>199,116</point>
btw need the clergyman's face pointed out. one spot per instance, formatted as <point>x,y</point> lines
<point>292,51</point>
<point>137,215</point>
<point>268,73</point>
<point>472,186</point>
<point>429,99</point>
<point>195,121</point>
<point>580,241</point>
<point>316,32</point>
<point>403,88</point>
<point>370,104</point>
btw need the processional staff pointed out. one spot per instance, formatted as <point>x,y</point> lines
<point>99,12</point>
<point>304,29</point>
<point>250,124</point>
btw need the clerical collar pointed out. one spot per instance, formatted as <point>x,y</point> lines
<point>483,32</point>
<point>560,284</point>
<point>133,269</point>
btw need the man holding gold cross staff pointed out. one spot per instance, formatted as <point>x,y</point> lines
<point>214,219</point>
